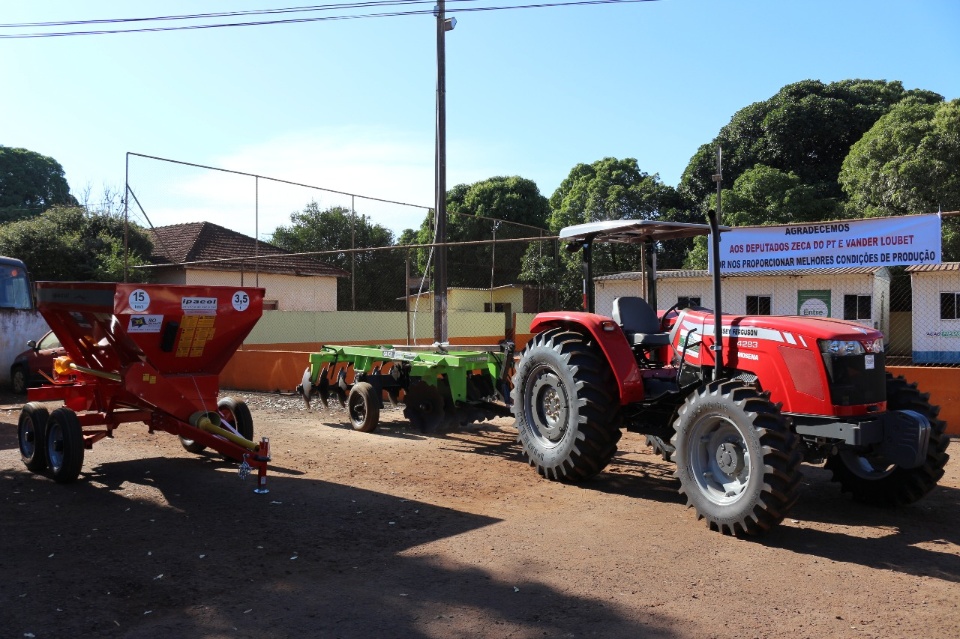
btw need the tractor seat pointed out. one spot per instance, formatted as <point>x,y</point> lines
<point>639,322</point>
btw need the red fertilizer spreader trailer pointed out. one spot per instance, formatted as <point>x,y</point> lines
<point>146,353</point>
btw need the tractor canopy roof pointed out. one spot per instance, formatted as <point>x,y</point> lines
<point>632,231</point>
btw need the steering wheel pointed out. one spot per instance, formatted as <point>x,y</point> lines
<point>663,318</point>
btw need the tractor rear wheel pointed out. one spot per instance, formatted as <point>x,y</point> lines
<point>64,444</point>
<point>737,460</point>
<point>363,407</point>
<point>31,431</point>
<point>873,480</point>
<point>565,401</point>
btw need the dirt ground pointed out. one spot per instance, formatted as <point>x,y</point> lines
<point>397,534</point>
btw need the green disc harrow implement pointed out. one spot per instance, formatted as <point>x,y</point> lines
<point>439,389</point>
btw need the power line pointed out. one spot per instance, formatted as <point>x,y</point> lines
<point>255,23</point>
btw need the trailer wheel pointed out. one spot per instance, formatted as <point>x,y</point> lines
<point>565,404</point>
<point>64,445</point>
<point>237,414</point>
<point>363,407</point>
<point>737,460</point>
<point>31,431</point>
<point>192,446</point>
<point>875,481</point>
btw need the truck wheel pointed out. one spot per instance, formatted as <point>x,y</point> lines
<point>875,481</point>
<point>30,432</point>
<point>737,460</point>
<point>363,407</point>
<point>566,407</point>
<point>64,444</point>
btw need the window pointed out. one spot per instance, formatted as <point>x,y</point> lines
<point>949,306</point>
<point>857,307</point>
<point>684,301</point>
<point>14,287</point>
<point>758,305</point>
<point>498,307</point>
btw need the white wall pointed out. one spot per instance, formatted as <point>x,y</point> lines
<point>782,290</point>
<point>935,341</point>
<point>292,292</point>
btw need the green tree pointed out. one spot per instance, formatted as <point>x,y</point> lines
<point>378,275</point>
<point>501,208</point>
<point>807,129</point>
<point>72,244</point>
<point>764,195</point>
<point>608,189</point>
<point>30,183</point>
<point>908,163</point>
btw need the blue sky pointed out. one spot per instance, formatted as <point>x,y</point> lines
<point>350,104</point>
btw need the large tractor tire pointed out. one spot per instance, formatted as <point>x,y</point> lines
<point>565,401</point>
<point>737,460</point>
<point>873,480</point>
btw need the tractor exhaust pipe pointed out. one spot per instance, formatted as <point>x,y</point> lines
<point>715,267</point>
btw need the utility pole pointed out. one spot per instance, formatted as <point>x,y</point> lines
<point>440,265</point>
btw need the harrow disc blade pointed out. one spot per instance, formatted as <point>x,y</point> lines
<point>305,387</point>
<point>424,407</point>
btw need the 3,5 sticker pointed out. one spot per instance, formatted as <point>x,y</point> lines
<point>139,300</point>
<point>241,301</point>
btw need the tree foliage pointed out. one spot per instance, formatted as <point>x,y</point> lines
<point>501,208</point>
<point>608,189</point>
<point>30,183</point>
<point>378,275</point>
<point>71,244</point>
<point>907,164</point>
<point>806,129</point>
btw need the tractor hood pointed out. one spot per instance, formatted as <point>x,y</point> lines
<point>781,328</point>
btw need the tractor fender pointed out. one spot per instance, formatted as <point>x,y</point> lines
<point>613,343</point>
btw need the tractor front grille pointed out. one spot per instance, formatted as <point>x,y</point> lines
<point>852,383</point>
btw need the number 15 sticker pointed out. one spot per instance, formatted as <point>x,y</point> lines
<point>241,301</point>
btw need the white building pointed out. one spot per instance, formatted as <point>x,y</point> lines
<point>936,313</point>
<point>858,294</point>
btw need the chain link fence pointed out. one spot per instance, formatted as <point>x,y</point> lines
<point>500,274</point>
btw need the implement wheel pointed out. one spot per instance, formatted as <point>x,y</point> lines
<point>31,431</point>
<point>236,413</point>
<point>566,406</point>
<point>737,460</point>
<point>873,480</point>
<point>64,445</point>
<point>363,407</point>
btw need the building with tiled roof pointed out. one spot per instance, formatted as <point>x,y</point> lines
<point>208,254</point>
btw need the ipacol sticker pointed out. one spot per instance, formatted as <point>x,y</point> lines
<point>198,305</point>
<point>145,323</point>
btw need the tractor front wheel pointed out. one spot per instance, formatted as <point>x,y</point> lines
<point>565,401</point>
<point>873,480</point>
<point>737,460</point>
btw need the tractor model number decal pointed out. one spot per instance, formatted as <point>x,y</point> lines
<point>198,305</point>
<point>195,332</point>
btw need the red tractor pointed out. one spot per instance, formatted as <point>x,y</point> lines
<point>738,402</point>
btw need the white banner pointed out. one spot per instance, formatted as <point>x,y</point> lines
<point>913,239</point>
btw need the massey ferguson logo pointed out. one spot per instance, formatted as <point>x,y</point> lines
<point>198,305</point>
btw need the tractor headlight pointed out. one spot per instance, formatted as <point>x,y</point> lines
<point>841,347</point>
